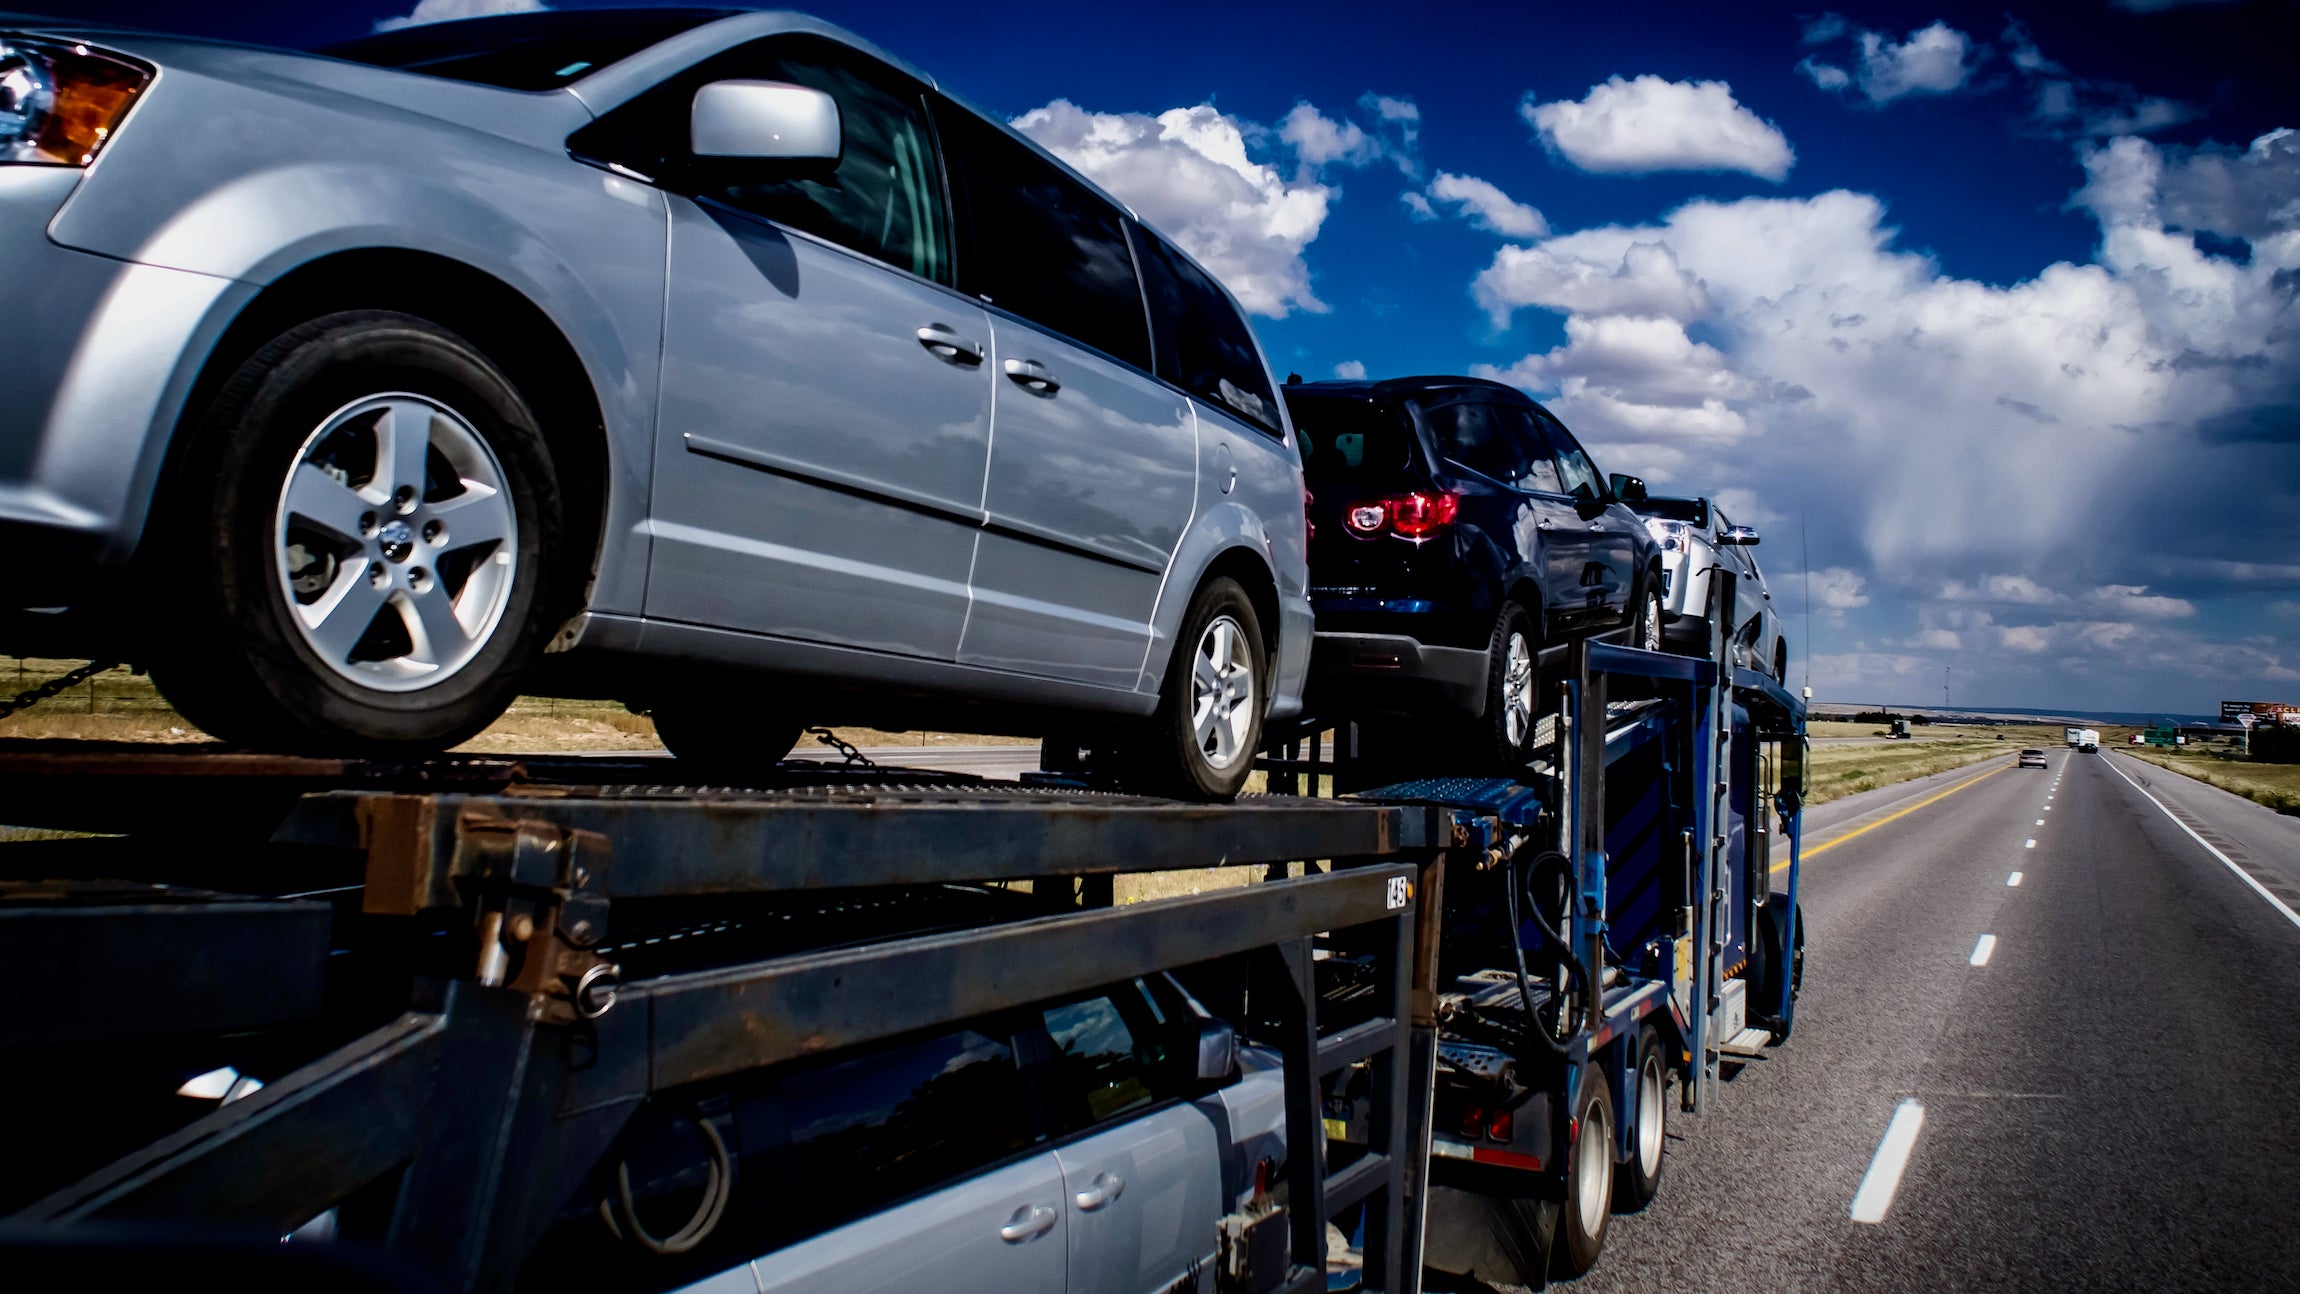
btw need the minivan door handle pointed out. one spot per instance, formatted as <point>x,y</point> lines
<point>1030,1220</point>
<point>1032,376</point>
<point>1106,1188</point>
<point>943,342</point>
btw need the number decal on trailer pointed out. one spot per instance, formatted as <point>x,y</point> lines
<point>1401,892</point>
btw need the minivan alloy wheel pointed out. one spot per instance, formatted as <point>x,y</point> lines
<point>1222,701</point>
<point>396,542</point>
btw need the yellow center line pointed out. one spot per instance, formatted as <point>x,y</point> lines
<point>1809,854</point>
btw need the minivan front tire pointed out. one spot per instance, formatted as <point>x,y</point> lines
<point>353,554</point>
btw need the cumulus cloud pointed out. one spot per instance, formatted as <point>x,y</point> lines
<point>1653,124</point>
<point>428,11</point>
<point>1930,60</point>
<point>1350,370</point>
<point>1971,444</point>
<point>2068,105</point>
<point>1213,183</point>
<point>1575,274</point>
<point>1482,203</point>
<point>1839,589</point>
<point>1320,141</point>
<point>1188,171</point>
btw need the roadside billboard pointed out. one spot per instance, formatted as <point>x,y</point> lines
<point>2250,713</point>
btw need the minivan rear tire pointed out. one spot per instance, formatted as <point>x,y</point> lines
<point>1208,726</point>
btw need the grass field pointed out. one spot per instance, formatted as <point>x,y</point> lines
<point>119,706</point>
<point>1839,771</point>
<point>2275,785</point>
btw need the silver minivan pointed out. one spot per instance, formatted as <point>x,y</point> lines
<point>1089,1145</point>
<point>711,361</point>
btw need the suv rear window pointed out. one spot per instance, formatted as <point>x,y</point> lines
<point>1352,441</point>
<point>529,51</point>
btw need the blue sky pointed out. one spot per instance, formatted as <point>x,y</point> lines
<point>1996,304</point>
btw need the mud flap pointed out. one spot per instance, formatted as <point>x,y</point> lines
<point>1500,1240</point>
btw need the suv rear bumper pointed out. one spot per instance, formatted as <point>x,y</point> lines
<point>1392,673</point>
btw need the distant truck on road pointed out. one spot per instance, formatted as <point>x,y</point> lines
<point>1900,730</point>
<point>2075,737</point>
<point>2088,740</point>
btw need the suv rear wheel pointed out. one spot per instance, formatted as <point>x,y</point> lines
<point>354,554</point>
<point>1504,736</point>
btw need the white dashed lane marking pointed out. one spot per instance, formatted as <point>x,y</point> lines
<point>2013,880</point>
<point>1878,1185</point>
<point>1984,950</point>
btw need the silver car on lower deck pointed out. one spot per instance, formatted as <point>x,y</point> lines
<point>712,361</point>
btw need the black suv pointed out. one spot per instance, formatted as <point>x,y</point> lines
<point>1460,537</point>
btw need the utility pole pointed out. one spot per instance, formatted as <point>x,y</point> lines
<point>1945,672</point>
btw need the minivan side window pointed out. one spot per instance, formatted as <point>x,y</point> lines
<point>1202,344</point>
<point>886,198</point>
<point>1573,466</point>
<point>851,1137</point>
<point>1114,1054</point>
<point>1041,244</point>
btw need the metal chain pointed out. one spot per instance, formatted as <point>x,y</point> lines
<point>56,686</point>
<point>831,739</point>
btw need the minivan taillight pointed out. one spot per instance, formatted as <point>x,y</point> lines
<point>1411,516</point>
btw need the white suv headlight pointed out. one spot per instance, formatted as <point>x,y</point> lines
<point>1669,534</point>
<point>59,103</point>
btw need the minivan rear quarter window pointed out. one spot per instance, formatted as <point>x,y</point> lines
<point>1203,345</point>
<point>1042,245</point>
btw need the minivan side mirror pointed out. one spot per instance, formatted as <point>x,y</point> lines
<point>1217,1051</point>
<point>1627,488</point>
<point>764,121</point>
<point>1744,536</point>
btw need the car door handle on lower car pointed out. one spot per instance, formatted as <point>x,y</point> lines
<point>1032,376</point>
<point>943,342</point>
<point>1105,1189</point>
<point>1031,1220</point>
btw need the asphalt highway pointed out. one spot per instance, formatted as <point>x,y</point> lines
<point>2108,1091</point>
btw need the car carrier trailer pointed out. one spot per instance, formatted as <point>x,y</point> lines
<point>439,992</point>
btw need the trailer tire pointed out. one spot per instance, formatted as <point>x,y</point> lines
<point>1589,1175</point>
<point>1638,1179</point>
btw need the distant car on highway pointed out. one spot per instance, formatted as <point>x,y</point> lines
<point>1697,539</point>
<point>1461,537</point>
<point>665,341</point>
<point>2032,758</point>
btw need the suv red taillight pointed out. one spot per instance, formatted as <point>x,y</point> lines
<point>1412,516</point>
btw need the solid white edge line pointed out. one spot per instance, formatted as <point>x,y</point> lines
<point>1875,1197</point>
<point>2013,880</point>
<point>1983,950</point>
<point>2241,874</point>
